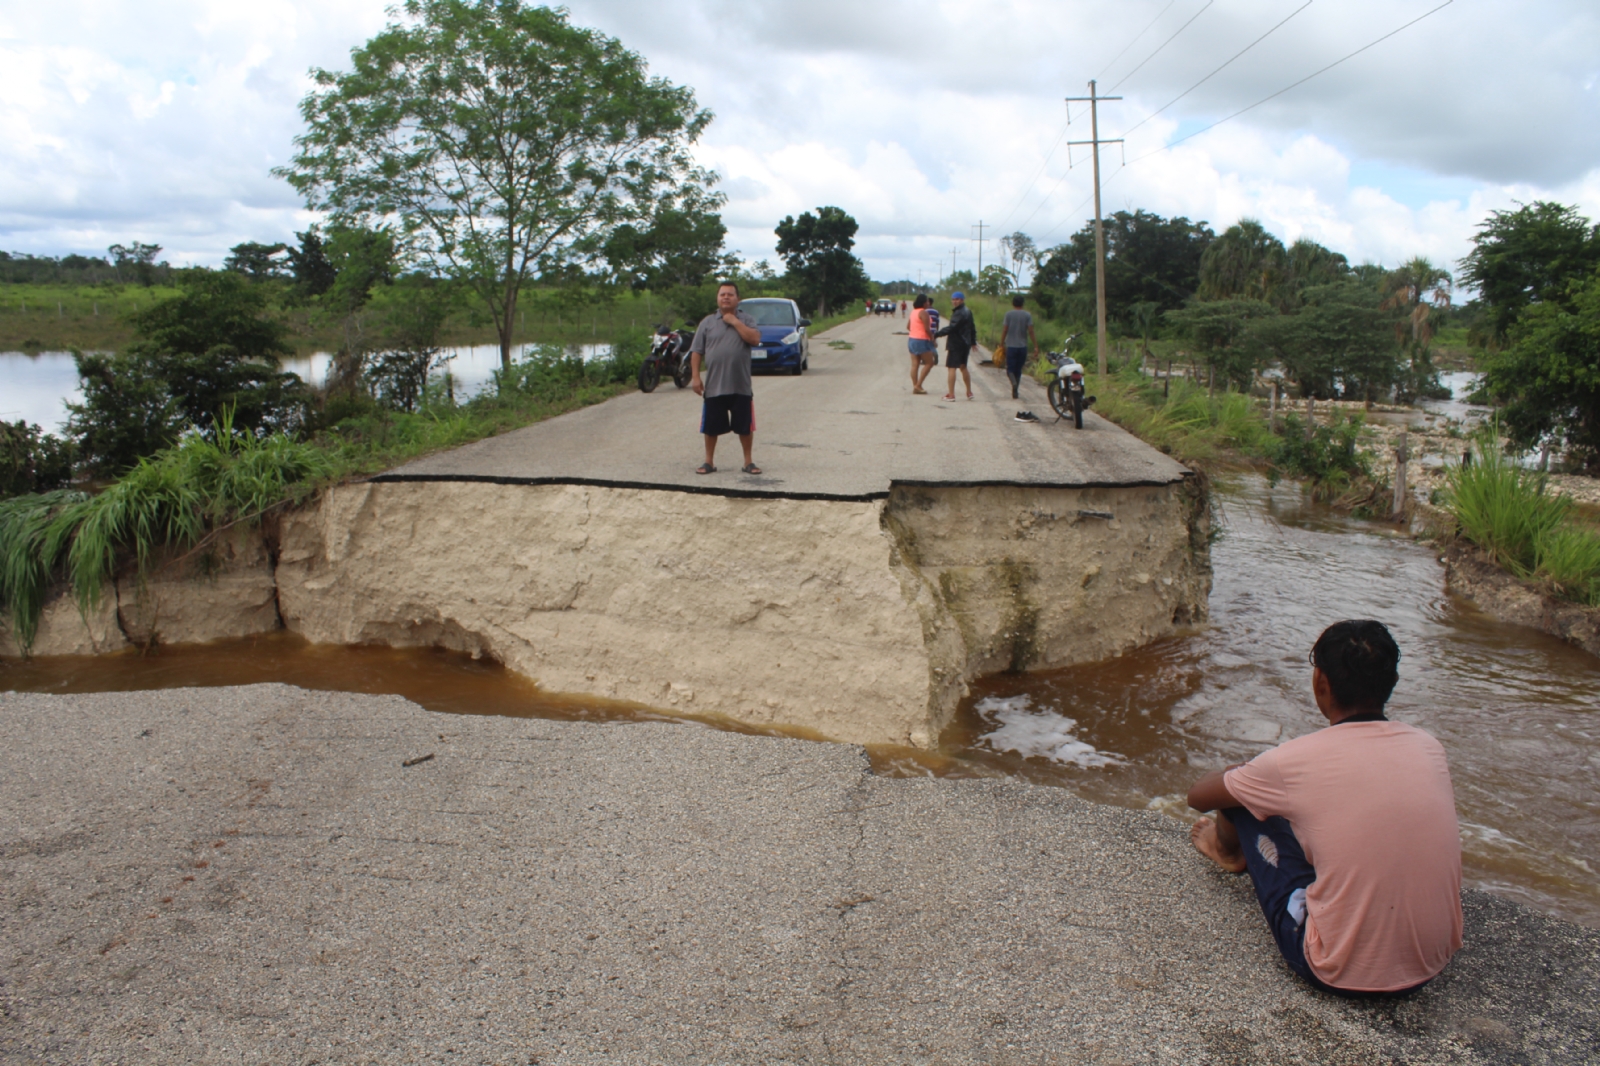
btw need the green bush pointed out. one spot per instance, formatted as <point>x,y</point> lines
<point>170,500</point>
<point>32,460</point>
<point>1326,456</point>
<point>1505,510</point>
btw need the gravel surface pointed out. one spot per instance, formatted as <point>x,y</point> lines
<point>249,875</point>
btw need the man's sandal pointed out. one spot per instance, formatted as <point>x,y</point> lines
<point>705,468</point>
<point>751,468</point>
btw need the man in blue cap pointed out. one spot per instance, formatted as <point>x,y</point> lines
<point>961,334</point>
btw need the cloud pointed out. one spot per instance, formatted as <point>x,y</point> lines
<point>160,122</point>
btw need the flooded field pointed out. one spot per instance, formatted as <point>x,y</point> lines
<point>1518,712</point>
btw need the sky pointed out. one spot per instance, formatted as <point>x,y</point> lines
<point>160,121</point>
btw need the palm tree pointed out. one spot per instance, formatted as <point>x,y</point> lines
<point>1246,262</point>
<point>1420,291</point>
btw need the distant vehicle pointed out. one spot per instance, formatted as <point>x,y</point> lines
<point>784,344</point>
<point>884,307</point>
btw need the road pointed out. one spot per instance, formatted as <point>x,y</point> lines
<point>253,875</point>
<point>847,429</point>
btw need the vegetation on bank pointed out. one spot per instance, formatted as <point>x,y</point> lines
<point>1505,509</point>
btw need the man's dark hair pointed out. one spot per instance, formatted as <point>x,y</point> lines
<point>734,285</point>
<point>921,300</point>
<point>1016,301</point>
<point>1360,660</point>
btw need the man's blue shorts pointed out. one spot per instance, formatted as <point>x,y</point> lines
<point>724,414</point>
<point>1281,875</point>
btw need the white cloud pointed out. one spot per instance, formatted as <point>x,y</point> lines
<point>161,121</point>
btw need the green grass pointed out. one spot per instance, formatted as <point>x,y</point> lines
<point>182,496</point>
<point>1505,510</point>
<point>1185,423</point>
<point>59,317</point>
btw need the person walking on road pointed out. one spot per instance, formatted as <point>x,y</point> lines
<point>960,337</point>
<point>722,342</point>
<point>924,349</point>
<point>1017,337</point>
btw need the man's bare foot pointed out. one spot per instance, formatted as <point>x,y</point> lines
<point>1203,836</point>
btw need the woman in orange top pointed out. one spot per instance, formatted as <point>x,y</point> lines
<point>924,350</point>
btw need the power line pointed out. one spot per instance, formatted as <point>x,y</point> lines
<point>1160,46</point>
<point>1040,174</point>
<point>1297,84</point>
<point>1135,40</point>
<point>1219,70</point>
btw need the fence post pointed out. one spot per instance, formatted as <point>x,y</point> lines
<point>1311,417</point>
<point>1400,456</point>
<point>1272,407</point>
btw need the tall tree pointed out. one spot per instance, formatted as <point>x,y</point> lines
<point>138,259</point>
<point>1548,376</point>
<point>816,249</point>
<point>1528,256</point>
<point>503,141</point>
<point>1149,259</point>
<point>1245,263</point>
<point>257,261</point>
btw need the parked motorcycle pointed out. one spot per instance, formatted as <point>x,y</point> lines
<point>669,357</point>
<point>1066,388</point>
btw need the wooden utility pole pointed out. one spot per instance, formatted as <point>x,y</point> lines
<point>1093,100</point>
<point>979,225</point>
<point>1401,454</point>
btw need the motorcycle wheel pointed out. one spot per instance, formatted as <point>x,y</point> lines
<point>649,375</point>
<point>681,376</point>
<point>1060,400</point>
<point>1077,411</point>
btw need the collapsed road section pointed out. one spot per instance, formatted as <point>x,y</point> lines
<point>896,548</point>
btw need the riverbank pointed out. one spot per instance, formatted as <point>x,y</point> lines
<point>255,875</point>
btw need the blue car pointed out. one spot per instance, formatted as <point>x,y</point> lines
<point>784,345</point>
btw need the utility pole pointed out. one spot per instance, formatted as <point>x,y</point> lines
<point>979,225</point>
<point>1093,100</point>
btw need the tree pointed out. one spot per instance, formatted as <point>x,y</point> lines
<point>257,261</point>
<point>816,249</point>
<point>1022,251</point>
<point>995,280</point>
<point>1149,259</point>
<point>138,259</point>
<point>1420,292</point>
<point>211,348</point>
<point>309,266</point>
<point>502,141</point>
<point>1340,343</point>
<point>1528,256</point>
<point>678,246</point>
<point>1548,377</point>
<point>1246,263</point>
<point>959,280</point>
<point>414,311</point>
<point>1219,330</point>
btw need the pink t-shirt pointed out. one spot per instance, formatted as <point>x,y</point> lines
<point>1373,809</point>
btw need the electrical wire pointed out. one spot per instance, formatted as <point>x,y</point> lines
<point>1045,166</point>
<point>1296,85</point>
<point>1135,40</point>
<point>1219,70</point>
<point>1159,47</point>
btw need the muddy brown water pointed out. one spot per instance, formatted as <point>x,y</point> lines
<point>1517,711</point>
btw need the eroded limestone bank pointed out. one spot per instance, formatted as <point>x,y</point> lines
<point>862,621</point>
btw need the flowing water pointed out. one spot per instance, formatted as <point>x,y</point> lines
<point>1517,711</point>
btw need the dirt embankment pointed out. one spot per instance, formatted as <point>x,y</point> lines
<point>859,620</point>
<point>1472,574</point>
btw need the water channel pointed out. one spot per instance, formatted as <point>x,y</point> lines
<point>1517,711</point>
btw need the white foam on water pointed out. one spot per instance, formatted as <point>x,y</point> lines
<point>1038,734</point>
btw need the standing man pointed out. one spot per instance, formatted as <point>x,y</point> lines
<point>722,342</point>
<point>1349,833</point>
<point>962,335</point>
<point>1017,336</point>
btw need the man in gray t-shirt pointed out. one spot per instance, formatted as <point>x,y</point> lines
<point>722,342</point>
<point>1017,338</point>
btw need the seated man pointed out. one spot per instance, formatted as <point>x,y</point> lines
<point>1349,833</point>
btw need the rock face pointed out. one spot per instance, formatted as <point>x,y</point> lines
<point>862,621</point>
<point>64,629</point>
<point>224,591</point>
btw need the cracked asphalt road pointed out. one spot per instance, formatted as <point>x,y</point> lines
<point>251,875</point>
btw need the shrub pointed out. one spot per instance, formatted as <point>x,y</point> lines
<point>32,460</point>
<point>1503,508</point>
<point>1327,455</point>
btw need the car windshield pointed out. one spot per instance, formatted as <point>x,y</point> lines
<point>770,312</point>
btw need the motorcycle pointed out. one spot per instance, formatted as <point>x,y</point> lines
<point>1066,388</point>
<point>669,356</point>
